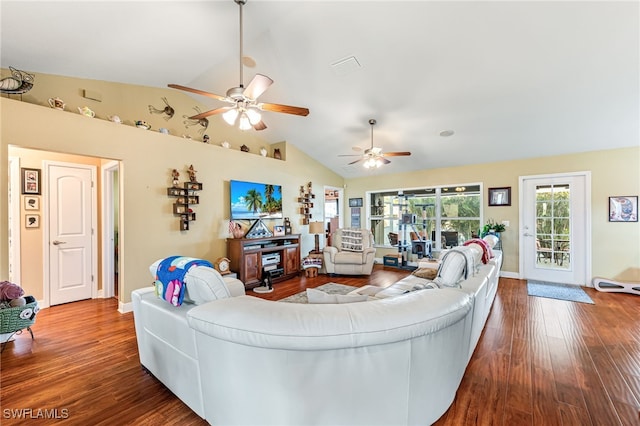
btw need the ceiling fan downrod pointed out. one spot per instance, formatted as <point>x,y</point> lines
<point>241,3</point>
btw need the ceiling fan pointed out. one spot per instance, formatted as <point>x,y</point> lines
<point>244,107</point>
<point>373,156</point>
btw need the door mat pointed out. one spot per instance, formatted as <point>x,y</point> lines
<point>571,293</point>
<point>329,288</point>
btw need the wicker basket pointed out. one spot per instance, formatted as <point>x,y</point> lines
<point>20,317</point>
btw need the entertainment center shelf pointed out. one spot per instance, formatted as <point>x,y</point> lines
<point>249,256</point>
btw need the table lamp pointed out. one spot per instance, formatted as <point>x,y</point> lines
<point>316,228</point>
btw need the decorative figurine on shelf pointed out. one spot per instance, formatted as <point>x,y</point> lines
<point>276,154</point>
<point>205,139</point>
<point>263,151</point>
<point>175,174</point>
<point>235,229</point>
<point>192,173</point>
<point>225,144</point>
<point>86,111</point>
<point>244,148</point>
<point>56,103</point>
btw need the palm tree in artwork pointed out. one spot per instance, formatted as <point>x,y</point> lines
<point>253,200</point>
<point>268,192</point>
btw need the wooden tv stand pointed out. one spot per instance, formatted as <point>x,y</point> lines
<point>247,254</point>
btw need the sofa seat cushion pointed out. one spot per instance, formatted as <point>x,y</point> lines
<point>350,257</point>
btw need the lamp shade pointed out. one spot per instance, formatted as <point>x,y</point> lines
<point>316,228</point>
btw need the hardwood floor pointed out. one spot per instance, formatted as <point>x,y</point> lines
<point>539,362</point>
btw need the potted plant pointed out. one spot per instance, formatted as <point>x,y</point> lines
<point>492,227</point>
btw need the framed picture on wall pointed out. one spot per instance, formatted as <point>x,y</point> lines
<point>30,181</point>
<point>32,221</point>
<point>31,203</point>
<point>500,196</point>
<point>355,202</point>
<point>623,209</point>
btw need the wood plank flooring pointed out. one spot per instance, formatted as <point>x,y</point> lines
<point>539,362</point>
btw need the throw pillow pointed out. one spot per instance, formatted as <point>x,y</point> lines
<point>317,296</point>
<point>428,273</point>
<point>452,269</point>
<point>491,240</point>
<point>352,240</point>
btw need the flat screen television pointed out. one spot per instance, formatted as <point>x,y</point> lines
<point>252,200</point>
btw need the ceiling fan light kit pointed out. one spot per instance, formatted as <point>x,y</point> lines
<point>373,156</point>
<point>245,109</point>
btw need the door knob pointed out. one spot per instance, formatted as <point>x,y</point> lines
<point>526,234</point>
<point>57,243</point>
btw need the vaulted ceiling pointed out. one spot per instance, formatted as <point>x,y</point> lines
<point>511,79</point>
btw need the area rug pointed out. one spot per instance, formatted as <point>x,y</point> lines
<point>571,293</point>
<point>330,288</point>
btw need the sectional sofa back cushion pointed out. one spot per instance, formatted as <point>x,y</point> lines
<point>203,284</point>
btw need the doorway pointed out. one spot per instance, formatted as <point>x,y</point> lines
<point>556,228</point>
<point>332,211</point>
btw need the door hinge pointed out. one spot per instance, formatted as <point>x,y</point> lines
<point>91,278</point>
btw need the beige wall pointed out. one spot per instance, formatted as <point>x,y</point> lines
<point>616,246</point>
<point>149,230</point>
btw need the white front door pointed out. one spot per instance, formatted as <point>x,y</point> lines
<point>71,240</point>
<point>555,235</point>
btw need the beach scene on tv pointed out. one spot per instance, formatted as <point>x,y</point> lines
<point>251,200</point>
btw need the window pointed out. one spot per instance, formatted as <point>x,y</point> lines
<point>447,215</point>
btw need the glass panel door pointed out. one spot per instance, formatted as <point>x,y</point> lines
<point>553,224</point>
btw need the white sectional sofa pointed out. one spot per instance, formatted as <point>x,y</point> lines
<point>395,360</point>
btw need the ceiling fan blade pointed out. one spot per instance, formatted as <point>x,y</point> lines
<point>284,108</point>
<point>396,154</point>
<point>260,125</point>
<point>210,112</point>
<point>257,86</point>
<point>349,155</point>
<point>384,160</point>
<point>198,92</point>
<point>354,162</point>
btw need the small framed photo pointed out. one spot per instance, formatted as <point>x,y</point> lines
<point>623,209</point>
<point>500,196</point>
<point>32,203</point>
<point>278,230</point>
<point>355,202</point>
<point>32,221</point>
<point>30,181</point>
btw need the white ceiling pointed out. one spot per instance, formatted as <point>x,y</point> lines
<point>512,79</point>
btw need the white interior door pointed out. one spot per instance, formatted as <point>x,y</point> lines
<point>71,222</point>
<point>555,228</point>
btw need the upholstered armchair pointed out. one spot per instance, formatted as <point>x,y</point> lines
<point>351,252</point>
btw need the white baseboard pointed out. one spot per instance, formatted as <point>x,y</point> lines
<point>507,274</point>
<point>124,308</point>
